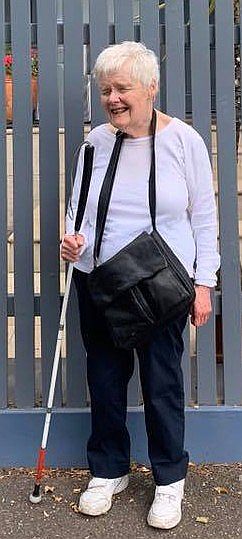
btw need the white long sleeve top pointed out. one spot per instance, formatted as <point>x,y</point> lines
<point>185,202</point>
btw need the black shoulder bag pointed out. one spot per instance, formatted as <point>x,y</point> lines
<point>144,285</point>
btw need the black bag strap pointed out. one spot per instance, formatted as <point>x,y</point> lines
<point>106,189</point>
<point>85,184</point>
<point>152,177</point>
<point>105,194</point>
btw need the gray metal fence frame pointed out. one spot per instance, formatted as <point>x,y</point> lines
<point>207,421</point>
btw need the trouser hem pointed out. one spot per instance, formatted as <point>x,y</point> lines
<point>109,474</point>
<point>170,476</point>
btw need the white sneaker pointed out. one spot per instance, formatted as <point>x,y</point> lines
<point>165,511</point>
<point>97,499</point>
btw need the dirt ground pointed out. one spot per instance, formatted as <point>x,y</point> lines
<point>212,506</point>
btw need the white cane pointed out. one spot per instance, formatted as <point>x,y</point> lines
<point>35,497</point>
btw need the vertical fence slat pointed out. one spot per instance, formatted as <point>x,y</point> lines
<point>49,188</point>
<point>186,365</point>
<point>229,239</point>
<point>175,106</point>
<point>206,361</point>
<point>3,226</point>
<point>98,41</point>
<point>175,58</point>
<point>201,115</point>
<point>149,18</point>
<point>134,386</point>
<point>123,20</point>
<point>200,69</point>
<point>23,204</point>
<point>74,115</point>
<point>73,82</point>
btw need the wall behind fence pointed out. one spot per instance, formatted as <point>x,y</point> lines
<point>35,184</point>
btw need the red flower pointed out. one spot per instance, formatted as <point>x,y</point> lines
<point>8,62</point>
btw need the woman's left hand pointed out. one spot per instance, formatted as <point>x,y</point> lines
<point>201,308</point>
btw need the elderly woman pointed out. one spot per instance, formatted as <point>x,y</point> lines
<point>127,75</point>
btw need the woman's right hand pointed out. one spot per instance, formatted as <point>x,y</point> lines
<point>71,247</point>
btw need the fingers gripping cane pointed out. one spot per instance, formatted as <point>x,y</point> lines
<point>35,497</point>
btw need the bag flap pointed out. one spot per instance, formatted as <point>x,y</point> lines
<point>138,260</point>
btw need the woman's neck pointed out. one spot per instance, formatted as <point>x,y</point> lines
<point>143,129</point>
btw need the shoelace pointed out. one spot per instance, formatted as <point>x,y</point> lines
<point>96,487</point>
<point>170,497</point>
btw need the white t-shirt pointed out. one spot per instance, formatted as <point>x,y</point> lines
<point>185,202</point>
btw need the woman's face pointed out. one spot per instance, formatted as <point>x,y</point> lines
<point>127,103</point>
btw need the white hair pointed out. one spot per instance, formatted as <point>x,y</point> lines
<point>144,65</point>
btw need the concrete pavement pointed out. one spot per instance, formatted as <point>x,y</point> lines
<point>212,507</point>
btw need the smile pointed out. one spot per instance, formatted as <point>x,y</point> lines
<point>119,110</point>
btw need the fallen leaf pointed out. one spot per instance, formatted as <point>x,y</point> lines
<point>144,469</point>
<point>203,471</point>
<point>221,490</point>
<point>57,498</point>
<point>76,490</point>
<point>203,520</point>
<point>75,508</point>
<point>78,472</point>
<point>49,489</point>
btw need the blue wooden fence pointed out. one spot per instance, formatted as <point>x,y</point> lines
<point>35,163</point>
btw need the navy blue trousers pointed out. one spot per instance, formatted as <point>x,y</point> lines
<point>108,372</point>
